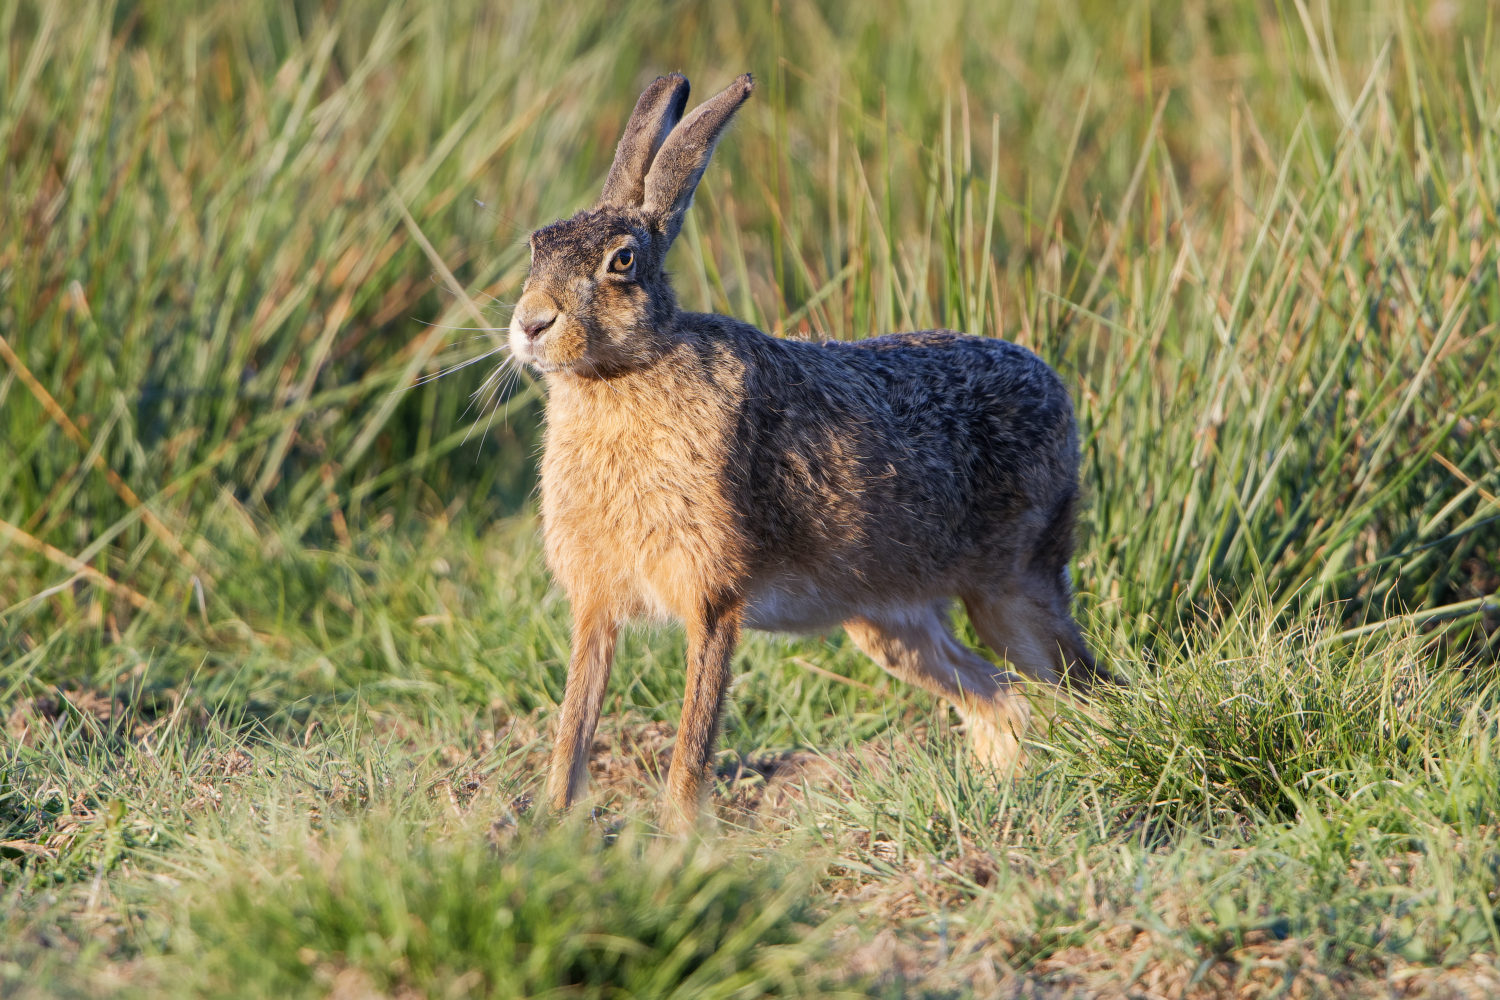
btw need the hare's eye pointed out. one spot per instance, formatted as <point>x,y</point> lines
<point>622,261</point>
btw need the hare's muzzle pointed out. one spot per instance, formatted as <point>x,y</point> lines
<point>535,326</point>
<point>528,325</point>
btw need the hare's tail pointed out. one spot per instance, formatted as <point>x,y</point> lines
<point>1054,547</point>
<point>1049,572</point>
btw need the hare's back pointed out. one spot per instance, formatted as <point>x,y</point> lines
<point>928,458</point>
<point>988,404</point>
<point>963,369</point>
<point>955,423</point>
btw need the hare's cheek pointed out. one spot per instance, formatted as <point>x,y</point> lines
<point>567,346</point>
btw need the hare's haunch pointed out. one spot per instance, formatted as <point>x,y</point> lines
<point>697,469</point>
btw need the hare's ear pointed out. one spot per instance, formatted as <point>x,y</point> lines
<point>659,108</point>
<point>679,164</point>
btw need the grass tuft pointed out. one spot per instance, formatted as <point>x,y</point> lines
<point>1247,721</point>
<point>383,908</point>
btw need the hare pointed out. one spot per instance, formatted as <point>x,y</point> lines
<point>696,469</point>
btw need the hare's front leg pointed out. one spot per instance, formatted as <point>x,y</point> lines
<point>594,634</point>
<point>712,637</point>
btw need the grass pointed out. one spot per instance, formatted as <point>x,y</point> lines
<point>644,919</point>
<point>278,655</point>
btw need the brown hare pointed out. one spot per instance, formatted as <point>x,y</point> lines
<point>696,469</point>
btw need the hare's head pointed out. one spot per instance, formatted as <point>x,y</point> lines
<point>597,301</point>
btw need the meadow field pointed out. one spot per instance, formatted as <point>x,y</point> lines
<point>279,656</point>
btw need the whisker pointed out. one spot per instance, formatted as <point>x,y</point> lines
<point>493,383</point>
<point>493,376</point>
<point>466,329</point>
<point>453,368</point>
<point>479,445</point>
<point>512,383</point>
<point>500,395</point>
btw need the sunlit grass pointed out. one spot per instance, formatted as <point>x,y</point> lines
<point>278,653</point>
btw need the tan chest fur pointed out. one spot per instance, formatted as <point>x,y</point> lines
<point>635,515</point>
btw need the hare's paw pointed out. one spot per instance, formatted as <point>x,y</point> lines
<point>996,729</point>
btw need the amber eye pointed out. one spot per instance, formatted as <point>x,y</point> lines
<point>622,261</point>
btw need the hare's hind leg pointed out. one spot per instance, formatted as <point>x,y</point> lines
<point>918,646</point>
<point>1032,627</point>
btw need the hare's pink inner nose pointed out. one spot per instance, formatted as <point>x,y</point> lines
<point>535,325</point>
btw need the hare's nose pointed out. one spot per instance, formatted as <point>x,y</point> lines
<point>536,325</point>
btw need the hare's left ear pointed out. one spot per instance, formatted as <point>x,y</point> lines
<point>659,108</point>
<point>680,162</point>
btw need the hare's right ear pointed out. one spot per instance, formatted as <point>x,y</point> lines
<point>679,165</point>
<point>658,110</point>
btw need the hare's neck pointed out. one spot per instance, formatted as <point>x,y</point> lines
<point>661,392</point>
<point>671,408</point>
<point>572,400</point>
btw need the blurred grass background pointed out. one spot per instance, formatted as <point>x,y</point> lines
<point>1259,240</point>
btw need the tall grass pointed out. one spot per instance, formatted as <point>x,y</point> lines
<point>1272,266</point>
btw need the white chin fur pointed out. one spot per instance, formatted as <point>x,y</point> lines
<point>520,347</point>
